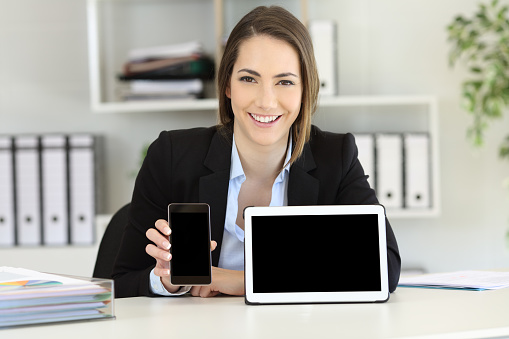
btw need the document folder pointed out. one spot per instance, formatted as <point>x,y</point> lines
<point>366,147</point>
<point>7,223</point>
<point>389,159</point>
<point>28,190</point>
<point>82,188</point>
<point>323,34</point>
<point>54,188</point>
<point>417,170</point>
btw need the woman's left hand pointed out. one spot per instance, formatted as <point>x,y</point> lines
<point>223,281</point>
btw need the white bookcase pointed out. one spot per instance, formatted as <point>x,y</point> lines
<point>391,114</point>
<point>115,26</point>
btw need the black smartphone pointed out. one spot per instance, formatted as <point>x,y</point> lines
<point>191,260</point>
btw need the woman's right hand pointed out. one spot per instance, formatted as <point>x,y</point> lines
<point>159,250</point>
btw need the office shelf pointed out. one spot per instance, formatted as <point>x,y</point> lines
<point>115,26</point>
<point>421,110</point>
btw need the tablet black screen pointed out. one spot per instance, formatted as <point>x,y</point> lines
<point>315,253</point>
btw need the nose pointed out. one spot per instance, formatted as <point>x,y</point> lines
<point>266,98</point>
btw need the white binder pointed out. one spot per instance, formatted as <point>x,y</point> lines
<point>389,165</point>
<point>82,189</point>
<point>324,36</point>
<point>366,147</point>
<point>28,219</point>
<point>7,222</point>
<point>417,170</point>
<point>54,190</point>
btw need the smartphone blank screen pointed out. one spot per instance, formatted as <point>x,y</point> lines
<point>190,247</point>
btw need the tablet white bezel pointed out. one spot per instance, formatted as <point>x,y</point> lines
<point>315,297</point>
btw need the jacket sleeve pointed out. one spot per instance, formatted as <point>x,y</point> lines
<point>133,265</point>
<point>354,189</point>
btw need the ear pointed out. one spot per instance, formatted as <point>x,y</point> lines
<point>228,92</point>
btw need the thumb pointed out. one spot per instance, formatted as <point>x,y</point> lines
<point>213,245</point>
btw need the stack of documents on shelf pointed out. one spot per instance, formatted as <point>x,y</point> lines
<point>166,72</point>
<point>464,280</point>
<point>29,297</point>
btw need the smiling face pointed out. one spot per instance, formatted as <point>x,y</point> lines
<point>265,91</point>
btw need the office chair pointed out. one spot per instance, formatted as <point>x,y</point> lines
<point>110,244</point>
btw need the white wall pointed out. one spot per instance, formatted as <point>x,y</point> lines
<point>385,47</point>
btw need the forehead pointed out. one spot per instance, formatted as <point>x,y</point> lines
<point>267,53</point>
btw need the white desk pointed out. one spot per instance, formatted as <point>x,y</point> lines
<point>422,313</point>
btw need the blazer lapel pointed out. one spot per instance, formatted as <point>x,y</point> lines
<point>303,188</point>
<point>213,188</point>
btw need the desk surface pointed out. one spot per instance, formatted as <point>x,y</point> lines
<point>422,313</point>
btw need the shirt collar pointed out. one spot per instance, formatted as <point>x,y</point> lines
<point>237,171</point>
<point>236,167</point>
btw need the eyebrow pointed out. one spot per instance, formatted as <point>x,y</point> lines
<point>280,75</point>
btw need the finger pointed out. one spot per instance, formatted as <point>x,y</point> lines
<point>157,238</point>
<point>162,226</point>
<point>161,272</point>
<point>158,253</point>
<point>195,291</point>
<point>213,245</point>
<point>208,293</point>
<point>205,292</point>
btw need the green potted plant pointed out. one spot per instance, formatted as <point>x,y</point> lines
<point>482,43</point>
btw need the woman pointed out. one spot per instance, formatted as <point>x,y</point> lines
<point>263,152</point>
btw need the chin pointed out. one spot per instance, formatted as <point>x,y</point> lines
<point>265,139</point>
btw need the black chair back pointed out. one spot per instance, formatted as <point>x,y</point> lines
<point>110,244</point>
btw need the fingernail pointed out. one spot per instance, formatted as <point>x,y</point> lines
<point>168,256</point>
<point>166,244</point>
<point>166,272</point>
<point>167,231</point>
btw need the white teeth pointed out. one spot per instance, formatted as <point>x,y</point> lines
<point>264,118</point>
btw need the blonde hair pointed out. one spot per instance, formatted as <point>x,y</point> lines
<point>278,23</point>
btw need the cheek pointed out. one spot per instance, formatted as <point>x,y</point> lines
<point>240,96</point>
<point>291,101</point>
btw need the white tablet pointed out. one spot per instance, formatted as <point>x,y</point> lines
<point>315,254</point>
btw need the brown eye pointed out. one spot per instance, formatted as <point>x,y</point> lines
<point>247,79</point>
<point>286,83</point>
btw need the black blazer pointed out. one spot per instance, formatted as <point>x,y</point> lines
<point>194,166</point>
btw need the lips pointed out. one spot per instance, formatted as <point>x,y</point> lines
<point>266,119</point>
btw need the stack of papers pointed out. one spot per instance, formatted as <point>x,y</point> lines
<point>465,280</point>
<point>165,52</point>
<point>31,297</point>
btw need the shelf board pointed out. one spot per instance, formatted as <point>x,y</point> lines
<point>156,106</point>
<point>212,104</point>
<point>375,100</point>
<point>412,213</point>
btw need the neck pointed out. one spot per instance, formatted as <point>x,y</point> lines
<point>259,161</point>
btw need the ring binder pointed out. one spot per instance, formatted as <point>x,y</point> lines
<point>28,189</point>
<point>81,189</point>
<point>7,222</point>
<point>417,170</point>
<point>366,148</point>
<point>54,188</point>
<point>389,148</point>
